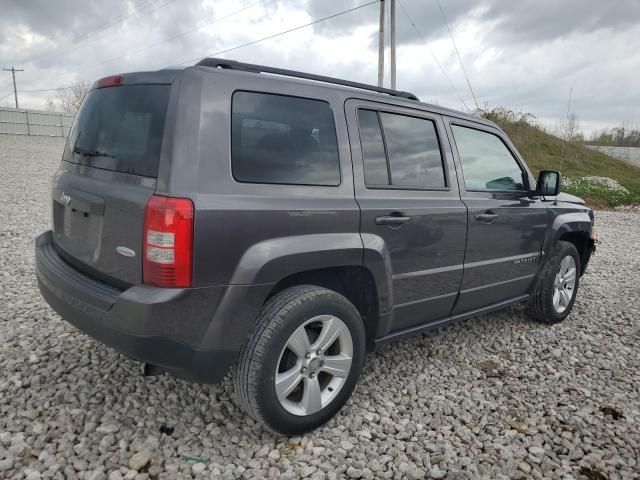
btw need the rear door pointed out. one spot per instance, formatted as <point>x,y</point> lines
<point>406,188</point>
<point>507,220</point>
<point>108,172</point>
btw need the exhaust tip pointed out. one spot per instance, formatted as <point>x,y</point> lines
<point>149,370</point>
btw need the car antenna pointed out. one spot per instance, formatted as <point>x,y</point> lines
<point>564,138</point>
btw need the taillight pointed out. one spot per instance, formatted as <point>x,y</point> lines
<point>167,242</point>
<point>112,81</point>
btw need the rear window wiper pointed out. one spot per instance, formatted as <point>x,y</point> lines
<point>90,153</point>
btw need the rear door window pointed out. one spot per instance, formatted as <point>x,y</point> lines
<point>414,151</point>
<point>282,139</point>
<point>120,129</point>
<point>400,150</point>
<point>375,158</point>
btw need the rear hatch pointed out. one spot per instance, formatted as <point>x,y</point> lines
<point>108,173</point>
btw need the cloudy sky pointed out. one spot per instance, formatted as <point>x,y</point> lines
<point>524,54</point>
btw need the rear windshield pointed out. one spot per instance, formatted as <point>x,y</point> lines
<point>120,129</point>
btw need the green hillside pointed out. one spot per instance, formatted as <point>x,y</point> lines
<point>542,152</point>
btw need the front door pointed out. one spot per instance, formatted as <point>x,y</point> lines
<point>507,220</point>
<point>405,184</point>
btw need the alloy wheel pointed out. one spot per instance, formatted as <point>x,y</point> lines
<point>564,284</point>
<point>314,365</point>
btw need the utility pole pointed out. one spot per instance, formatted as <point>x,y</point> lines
<point>13,71</point>
<point>381,46</point>
<point>392,42</point>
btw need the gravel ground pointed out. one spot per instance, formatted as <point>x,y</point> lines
<point>494,397</point>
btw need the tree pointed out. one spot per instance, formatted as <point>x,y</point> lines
<point>51,105</point>
<point>623,136</point>
<point>68,99</point>
<point>568,128</point>
<point>573,126</point>
<point>506,115</point>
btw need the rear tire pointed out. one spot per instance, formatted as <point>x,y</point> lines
<point>302,361</point>
<point>555,290</point>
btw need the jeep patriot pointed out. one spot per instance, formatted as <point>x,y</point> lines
<point>277,225</point>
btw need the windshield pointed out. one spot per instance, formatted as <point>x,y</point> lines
<point>120,129</point>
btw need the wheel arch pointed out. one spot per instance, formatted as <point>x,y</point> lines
<point>269,261</point>
<point>575,228</point>
<point>582,241</point>
<point>355,282</point>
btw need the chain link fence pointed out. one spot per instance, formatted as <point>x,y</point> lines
<point>20,121</point>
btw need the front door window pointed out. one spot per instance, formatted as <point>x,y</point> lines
<point>487,164</point>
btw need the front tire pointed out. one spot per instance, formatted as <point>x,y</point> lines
<point>302,360</point>
<point>555,290</point>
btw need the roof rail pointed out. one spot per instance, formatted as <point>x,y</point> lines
<point>248,67</point>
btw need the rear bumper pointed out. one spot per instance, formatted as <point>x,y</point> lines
<point>184,331</point>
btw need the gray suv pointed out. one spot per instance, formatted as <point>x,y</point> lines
<point>283,224</point>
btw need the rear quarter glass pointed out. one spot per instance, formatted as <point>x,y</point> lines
<point>120,129</point>
<point>282,139</point>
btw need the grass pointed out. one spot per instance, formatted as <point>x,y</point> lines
<point>542,152</point>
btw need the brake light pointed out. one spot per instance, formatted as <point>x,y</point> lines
<point>167,242</point>
<point>112,81</point>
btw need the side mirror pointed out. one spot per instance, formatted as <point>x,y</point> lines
<point>548,183</point>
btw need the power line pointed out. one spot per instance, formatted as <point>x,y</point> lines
<point>444,17</point>
<point>140,7</point>
<point>143,15</point>
<point>182,34</point>
<point>5,86</point>
<point>269,37</point>
<point>143,5</point>
<point>87,38</point>
<point>237,46</point>
<point>46,89</point>
<point>2,98</point>
<point>435,59</point>
<point>104,26</point>
<point>179,35</point>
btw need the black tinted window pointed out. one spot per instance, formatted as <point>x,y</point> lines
<point>375,158</point>
<point>120,128</point>
<point>414,151</point>
<point>487,164</point>
<point>281,139</point>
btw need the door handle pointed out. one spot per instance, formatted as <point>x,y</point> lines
<point>396,219</point>
<point>486,217</point>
